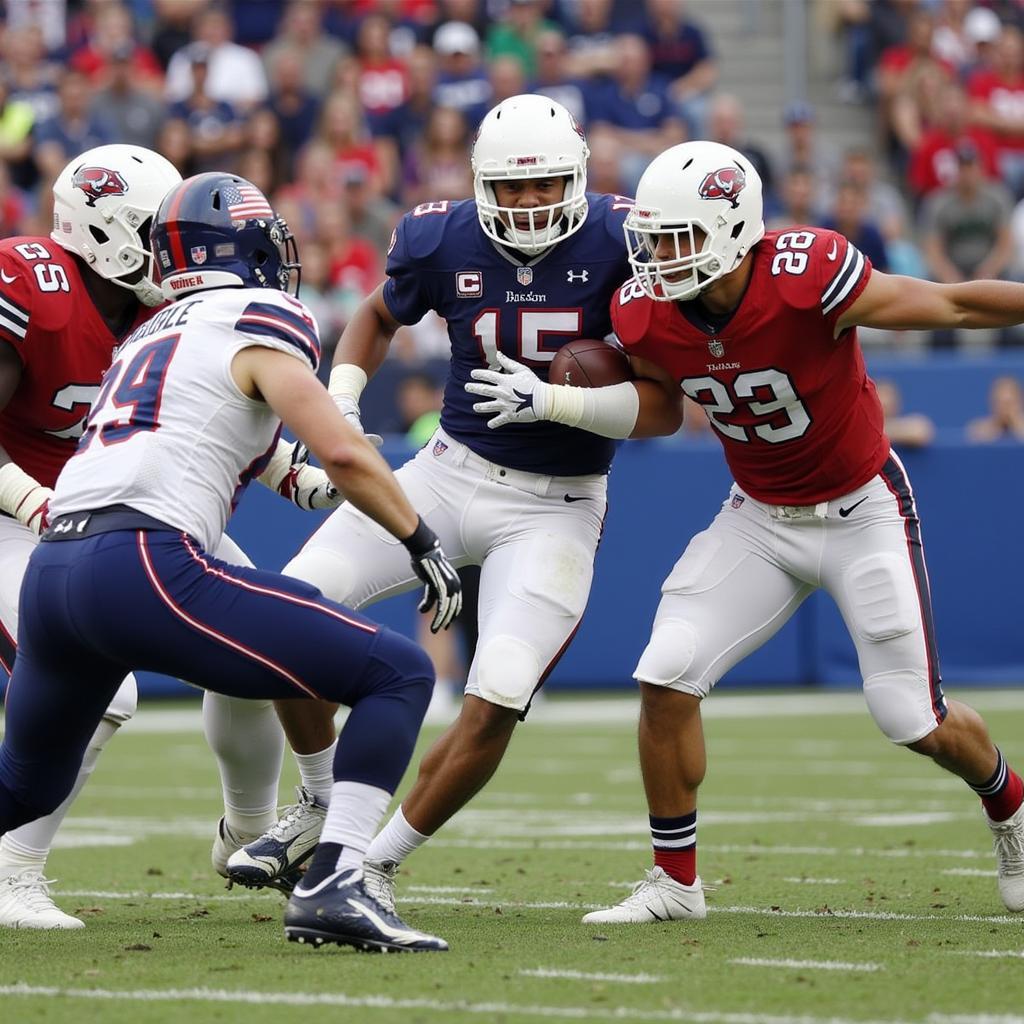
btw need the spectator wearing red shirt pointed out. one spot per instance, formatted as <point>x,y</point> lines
<point>354,265</point>
<point>908,75</point>
<point>342,127</point>
<point>933,162</point>
<point>381,81</point>
<point>997,103</point>
<point>113,34</point>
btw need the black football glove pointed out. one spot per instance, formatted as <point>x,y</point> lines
<point>442,588</point>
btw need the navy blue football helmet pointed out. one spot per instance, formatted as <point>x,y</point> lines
<point>219,231</point>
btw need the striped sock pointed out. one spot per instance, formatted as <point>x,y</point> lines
<point>675,846</point>
<point>1002,793</point>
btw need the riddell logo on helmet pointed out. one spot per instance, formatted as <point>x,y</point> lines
<point>725,183</point>
<point>527,161</point>
<point>97,182</point>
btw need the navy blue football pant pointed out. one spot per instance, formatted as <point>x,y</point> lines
<point>96,608</point>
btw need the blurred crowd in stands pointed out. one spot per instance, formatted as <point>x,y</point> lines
<point>348,112</point>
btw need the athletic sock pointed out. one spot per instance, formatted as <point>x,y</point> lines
<point>323,864</point>
<point>353,814</point>
<point>29,845</point>
<point>675,846</point>
<point>1002,793</point>
<point>317,772</point>
<point>248,742</point>
<point>395,841</point>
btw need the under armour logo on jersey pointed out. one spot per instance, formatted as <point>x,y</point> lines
<point>582,275</point>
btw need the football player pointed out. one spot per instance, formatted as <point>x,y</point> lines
<point>189,413</point>
<point>761,329</point>
<point>65,303</point>
<point>531,263</point>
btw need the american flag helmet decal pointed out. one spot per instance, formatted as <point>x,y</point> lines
<point>246,202</point>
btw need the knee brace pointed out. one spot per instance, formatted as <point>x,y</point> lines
<point>901,705</point>
<point>125,701</point>
<point>669,653</point>
<point>330,571</point>
<point>507,672</point>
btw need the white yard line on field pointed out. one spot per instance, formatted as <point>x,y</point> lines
<point>469,902</point>
<point>992,954</point>
<point>487,1010</point>
<point>810,965</point>
<point>629,979</point>
<point>815,881</point>
<point>979,872</point>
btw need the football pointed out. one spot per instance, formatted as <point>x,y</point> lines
<point>589,363</point>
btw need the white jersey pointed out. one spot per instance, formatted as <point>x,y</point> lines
<point>171,435</point>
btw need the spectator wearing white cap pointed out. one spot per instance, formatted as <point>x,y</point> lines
<point>462,81</point>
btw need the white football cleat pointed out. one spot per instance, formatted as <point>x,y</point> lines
<point>273,859</point>
<point>658,897</point>
<point>379,881</point>
<point>1008,840</point>
<point>25,903</point>
<point>225,843</point>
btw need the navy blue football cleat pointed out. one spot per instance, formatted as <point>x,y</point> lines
<point>338,909</point>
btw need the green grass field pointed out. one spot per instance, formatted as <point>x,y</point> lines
<point>855,883</point>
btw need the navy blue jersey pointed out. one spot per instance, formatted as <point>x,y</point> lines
<point>441,260</point>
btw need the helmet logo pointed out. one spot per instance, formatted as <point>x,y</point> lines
<point>97,182</point>
<point>577,127</point>
<point>725,183</point>
<point>198,254</point>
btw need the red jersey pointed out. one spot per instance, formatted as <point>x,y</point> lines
<point>791,403</point>
<point>65,346</point>
<point>933,163</point>
<point>1003,95</point>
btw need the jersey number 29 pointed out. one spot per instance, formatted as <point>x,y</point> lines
<point>136,386</point>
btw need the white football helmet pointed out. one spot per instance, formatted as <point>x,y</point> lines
<point>530,137</point>
<point>103,205</point>
<point>693,188</point>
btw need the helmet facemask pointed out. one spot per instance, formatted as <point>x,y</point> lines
<point>547,225</point>
<point>693,265</point>
<point>530,137</point>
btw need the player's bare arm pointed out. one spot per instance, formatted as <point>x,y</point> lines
<point>895,303</point>
<point>661,400</point>
<point>362,348</point>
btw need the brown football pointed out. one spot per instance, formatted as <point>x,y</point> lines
<point>587,363</point>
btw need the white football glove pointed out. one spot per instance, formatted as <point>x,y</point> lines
<point>349,408</point>
<point>290,475</point>
<point>515,394</point>
<point>24,497</point>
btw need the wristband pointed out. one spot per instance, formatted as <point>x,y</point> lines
<point>422,540</point>
<point>347,381</point>
<point>15,488</point>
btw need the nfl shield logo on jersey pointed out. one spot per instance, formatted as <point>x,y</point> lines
<point>737,500</point>
<point>524,275</point>
<point>716,348</point>
<point>198,253</point>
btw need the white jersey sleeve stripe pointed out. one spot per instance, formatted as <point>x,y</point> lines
<point>840,276</point>
<point>11,326</point>
<point>13,311</point>
<point>848,283</point>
